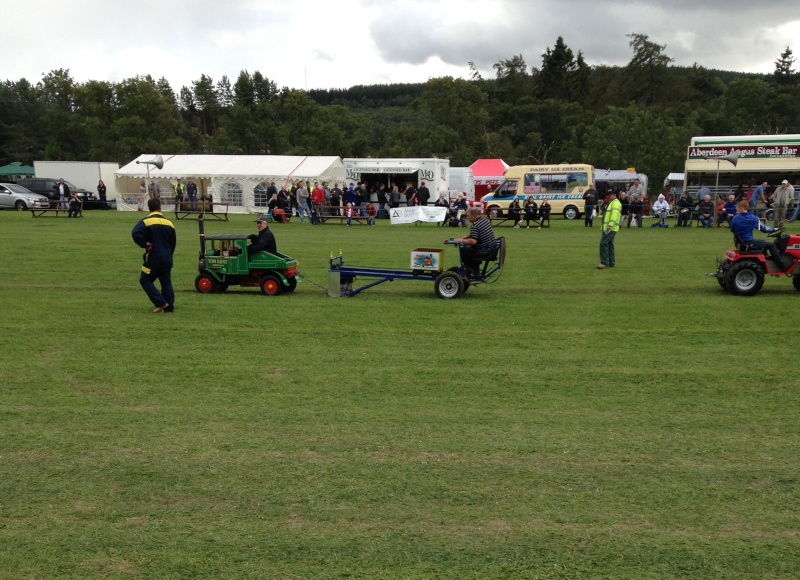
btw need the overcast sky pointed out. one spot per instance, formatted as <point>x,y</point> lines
<point>341,43</point>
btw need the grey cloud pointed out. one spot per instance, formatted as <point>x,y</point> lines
<point>732,35</point>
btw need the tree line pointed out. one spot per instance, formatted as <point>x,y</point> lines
<point>639,115</point>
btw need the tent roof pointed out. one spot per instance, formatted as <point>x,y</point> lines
<point>208,166</point>
<point>16,168</point>
<point>489,168</point>
<point>673,177</point>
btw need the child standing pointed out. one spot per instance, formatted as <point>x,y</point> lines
<point>371,213</point>
<point>349,213</point>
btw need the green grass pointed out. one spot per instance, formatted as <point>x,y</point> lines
<point>561,423</point>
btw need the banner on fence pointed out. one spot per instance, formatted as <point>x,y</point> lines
<point>417,213</point>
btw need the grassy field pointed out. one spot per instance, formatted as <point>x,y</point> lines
<point>561,423</point>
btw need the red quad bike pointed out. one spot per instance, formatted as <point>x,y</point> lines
<point>743,269</point>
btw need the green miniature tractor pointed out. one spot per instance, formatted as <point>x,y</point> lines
<point>224,261</point>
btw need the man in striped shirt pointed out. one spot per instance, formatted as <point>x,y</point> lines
<point>478,245</point>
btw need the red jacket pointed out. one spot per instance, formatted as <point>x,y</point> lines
<point>318,196</point>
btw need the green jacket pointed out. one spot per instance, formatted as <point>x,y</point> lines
<point>612,215</point>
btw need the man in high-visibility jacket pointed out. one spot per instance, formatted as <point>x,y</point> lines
<point>611,218</point>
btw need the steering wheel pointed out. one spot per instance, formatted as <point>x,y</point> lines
<point>777,233</point>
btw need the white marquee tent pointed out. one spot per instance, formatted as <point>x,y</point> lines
<point>238,181</point>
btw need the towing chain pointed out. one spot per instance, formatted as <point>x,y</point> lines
<point>306,279</point>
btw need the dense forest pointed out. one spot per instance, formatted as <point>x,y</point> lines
<point>640,115</point>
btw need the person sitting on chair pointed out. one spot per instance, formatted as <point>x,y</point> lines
<point>273,205</point>
<point>74,205</point>
<point>685,207</point>
<point>660,210</point>
<point>729,209</point>
<point>478,245</point>
<point>742,226</point>
<point>442,202</point>
<point>264,240</point>
<point>459,209</point>
<point>705,212</point>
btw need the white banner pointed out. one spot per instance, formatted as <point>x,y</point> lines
<point>417,213</point>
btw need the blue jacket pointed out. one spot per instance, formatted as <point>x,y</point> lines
<point>743,225</point>
<point>160,233</point>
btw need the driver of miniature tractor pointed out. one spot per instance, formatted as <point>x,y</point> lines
<point>264,241</point>
<point>743,224</point>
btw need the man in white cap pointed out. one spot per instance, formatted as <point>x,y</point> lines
<point>781,198</point>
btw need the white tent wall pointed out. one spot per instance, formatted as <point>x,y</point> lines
<point>228,179</point>
<point>83,174</point>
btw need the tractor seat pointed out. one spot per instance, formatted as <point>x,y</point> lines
<point>744,247</point>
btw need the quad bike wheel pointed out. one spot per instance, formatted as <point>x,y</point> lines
<point>796,282</point>
<point>292,284</point>
<point>271,285</point>
<point>205,283</point>
<point>745,278</point>
<point>449,285</point>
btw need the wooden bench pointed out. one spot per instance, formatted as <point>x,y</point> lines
<point>507,220</point>
<point>55,210</point>
<point>330,214</point>
<point>188,211</point>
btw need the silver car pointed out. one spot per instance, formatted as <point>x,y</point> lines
<point>20,198</point>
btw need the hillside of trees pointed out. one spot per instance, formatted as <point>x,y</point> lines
<point>640,115</point>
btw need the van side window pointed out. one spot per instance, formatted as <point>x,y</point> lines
<point>532,184</point>
<point>507,189</point>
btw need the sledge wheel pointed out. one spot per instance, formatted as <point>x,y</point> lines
<point>449,285</point>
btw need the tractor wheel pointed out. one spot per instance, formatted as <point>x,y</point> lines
<point>745,278</point>
<point>205,283</point>
<point>494,212</point>
<point>20,205</point>
<point>292,284</point>
<point>449,285</point>
<point>571,212</point>
<point>222,286</point>
<point>722,275</point>
<point>796,282</point>
<point>271,285</point>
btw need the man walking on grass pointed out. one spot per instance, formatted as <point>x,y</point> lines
<point>156,235</point>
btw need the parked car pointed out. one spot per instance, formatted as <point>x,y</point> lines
<point>48,187</point>
<point>15,196</point>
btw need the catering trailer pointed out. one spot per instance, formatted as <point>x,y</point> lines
<point>434,172</point>
<point>741,161</point>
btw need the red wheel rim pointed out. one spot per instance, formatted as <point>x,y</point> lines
<point>270,286</point>
<point>204,284</point>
